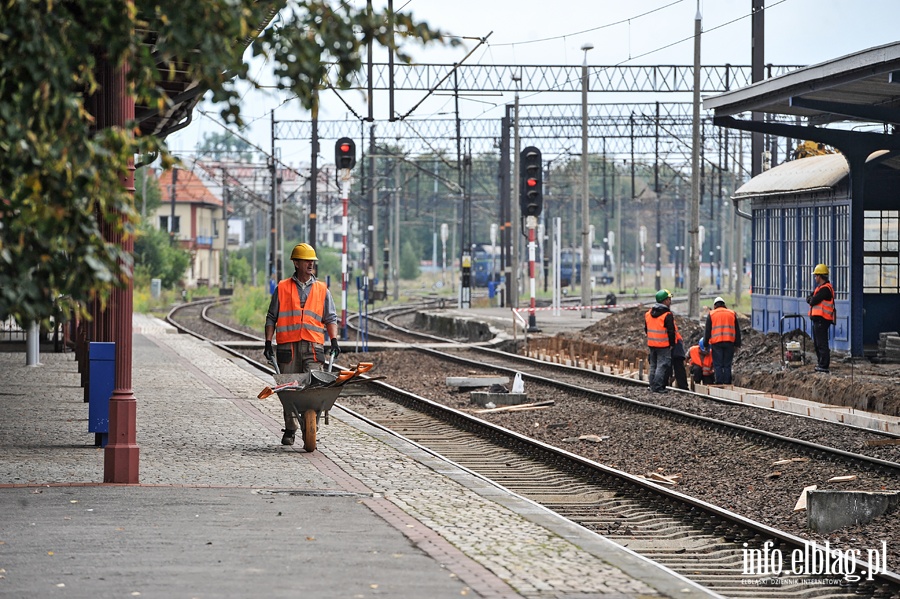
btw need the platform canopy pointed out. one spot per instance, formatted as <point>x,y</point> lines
<point>864,86</point>
<point>859,88</point>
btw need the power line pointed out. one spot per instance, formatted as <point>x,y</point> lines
<point>559,37</point>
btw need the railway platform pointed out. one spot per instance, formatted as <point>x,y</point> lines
<point>224,510</point>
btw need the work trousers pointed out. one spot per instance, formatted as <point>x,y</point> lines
<point>296,358</point>
<point>723,356</point>
<point>678,365</point>
<point>820,330</point>
<point>680,373</point>
<point>660,360</point>
<point>699,377</point>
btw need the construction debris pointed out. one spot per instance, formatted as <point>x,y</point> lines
<point>801,502</point>
<point>842,479</point>
<point>593,438</point>
<point>670,480</point>
<point>880,442</point>
<point>538,405</point>
<point>889,346</point>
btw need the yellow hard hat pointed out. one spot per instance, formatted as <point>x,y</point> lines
<point>820,269</point>
<point>303,251</point>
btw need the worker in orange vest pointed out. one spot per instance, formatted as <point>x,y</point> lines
<point>659,324</point>
<point>723,336</point>
<point>701,363</point>
<point>300,312</point>
<point>822,315</point>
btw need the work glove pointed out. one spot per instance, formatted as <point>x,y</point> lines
<point>335,350</point>
<point>269,352</point>
<point>809,298</point>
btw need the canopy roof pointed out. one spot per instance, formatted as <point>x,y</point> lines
<point>864,86</point>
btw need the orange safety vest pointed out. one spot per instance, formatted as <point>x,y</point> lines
<point>825,308</point>
<point>705,362</point>
<point>296,322</point>
<point>723,323</point>
<point>657,335</point>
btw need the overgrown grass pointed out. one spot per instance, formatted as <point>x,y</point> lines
<point>144,303</point>
<point>249,306</point>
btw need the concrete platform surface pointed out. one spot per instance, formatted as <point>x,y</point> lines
<point>224,510</point>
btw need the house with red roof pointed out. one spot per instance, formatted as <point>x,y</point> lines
<point>196,219</point>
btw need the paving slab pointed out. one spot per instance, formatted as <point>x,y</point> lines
<point>224,510</point>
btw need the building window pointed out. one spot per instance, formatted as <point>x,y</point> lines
<point>881,252</point>
<point>840,273</point>
<point>775,220</point>
<point>759,253</point>
<point>791,264</point>
<point>164,224</point>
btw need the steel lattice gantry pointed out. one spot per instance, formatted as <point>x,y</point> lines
<point>614,129</point>
<point>563,78</point>
<point>642,132</point>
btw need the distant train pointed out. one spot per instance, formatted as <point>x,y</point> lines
<point>570,260</point>
<point>486,264</point>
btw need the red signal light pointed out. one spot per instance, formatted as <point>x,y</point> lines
<point>345,147</point>
<point>531,182</point>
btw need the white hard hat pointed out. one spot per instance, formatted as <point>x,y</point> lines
<point>718,300</point>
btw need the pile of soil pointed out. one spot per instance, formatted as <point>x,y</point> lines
<point>758,364</point>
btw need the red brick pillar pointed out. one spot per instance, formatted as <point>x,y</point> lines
<point>121,457</point>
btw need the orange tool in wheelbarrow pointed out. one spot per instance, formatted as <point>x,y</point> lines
<point>313,393</point>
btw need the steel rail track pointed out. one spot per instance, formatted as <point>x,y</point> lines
<point>701,541</point>
<point>704,542</point>
<point>524,361</point>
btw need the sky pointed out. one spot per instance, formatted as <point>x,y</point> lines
<point>532,32</point>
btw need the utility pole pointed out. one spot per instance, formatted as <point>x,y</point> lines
<point>172,215</point>
<point>504,204</point>
<point>313,173</point>
<point>586,287</point>
<point>225,193</point>
<point>373,205</point>
<point>757,72</point>
<point>694,230</point>
<point>513,282</point>
<point>273,215</point>
<point>658,281</point>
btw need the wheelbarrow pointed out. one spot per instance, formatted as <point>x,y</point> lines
<point>311,394</point>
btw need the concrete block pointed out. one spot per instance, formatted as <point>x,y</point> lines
<point>828,414</point>
<point>828,511</point>
<point>762,400</point>
<point>726,392</point>
<point>475,381</point>
<point>483,398</point>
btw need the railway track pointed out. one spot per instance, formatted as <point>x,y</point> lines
<point>704,542</point>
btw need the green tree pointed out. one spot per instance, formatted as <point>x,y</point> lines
<point>156,258</point>
<point>239,270</point>
<point>60,176</point>
<point>409,262</point>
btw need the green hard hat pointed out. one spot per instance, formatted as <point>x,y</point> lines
<point>662,295</point>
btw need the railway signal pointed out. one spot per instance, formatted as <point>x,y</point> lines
<point>345,159</point>
<point>531,194</point>
<point>345,153</point>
